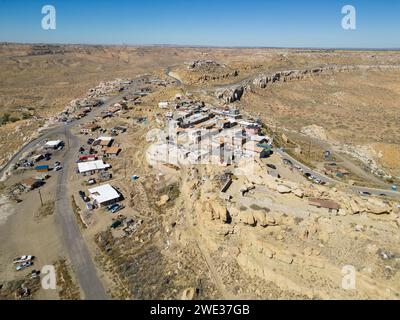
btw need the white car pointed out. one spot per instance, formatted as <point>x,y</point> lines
<point>24,265</point>
<point>23,259</point>
<point>58,168</point>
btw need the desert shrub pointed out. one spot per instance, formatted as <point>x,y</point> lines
<point>26,115</point>
<point>6,118</point>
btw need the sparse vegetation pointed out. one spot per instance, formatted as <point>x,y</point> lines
<point>7,118</point>
<point>77,212</point>
<point>46,210</point>
<point>68,290</point>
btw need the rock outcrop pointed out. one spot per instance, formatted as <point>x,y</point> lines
<point>231,95</point>
<point>235,93</point>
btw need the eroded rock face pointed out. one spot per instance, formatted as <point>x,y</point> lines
<point>298,193</point>
<point>201,64</point>
<point>355,205</point>
<point>283,189</point>
<point>163,200</point>
<point>247,218</point>
<point>231,95</point>
<point>283,76</point>
<point>376,206</point>
<point>256,218</point>
<point>220,211</point>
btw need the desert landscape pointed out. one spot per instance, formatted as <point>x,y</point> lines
<point>162,172</point>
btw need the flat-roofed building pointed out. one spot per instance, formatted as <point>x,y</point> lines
<point>104,195</point>
<point>54,144</point>
<point>92,167</point>
<point>112,152</point>
<point>326,204</point>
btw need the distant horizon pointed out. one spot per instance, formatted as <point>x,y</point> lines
<point>310,24</point>
<point>194,46</point>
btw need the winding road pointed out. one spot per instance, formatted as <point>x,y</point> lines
<point>328,180</point>
<point>357,189</point>
<point>74,243</point>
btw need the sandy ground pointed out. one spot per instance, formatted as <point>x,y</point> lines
<point>25,233</point>
<point>180,245</point>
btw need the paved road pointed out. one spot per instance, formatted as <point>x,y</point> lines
<point>82,263</point>
<point>84,268</point>
<point>328,180</point>
<point>367,176</point>
<point>168,73</point>
<point>61,129</point>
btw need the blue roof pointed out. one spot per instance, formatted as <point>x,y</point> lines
<point>42,167</point>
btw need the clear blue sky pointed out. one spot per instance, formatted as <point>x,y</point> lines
<point>279,23</point>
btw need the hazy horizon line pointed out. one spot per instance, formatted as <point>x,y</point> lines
<point>201,46</point>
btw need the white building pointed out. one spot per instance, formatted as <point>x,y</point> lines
<point>92,166</point>
<point>104,195</point>
<point>163,105</point>
<point>53,144</point>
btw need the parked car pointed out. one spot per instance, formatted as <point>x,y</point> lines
<point>272,166</point>
<point>89,206</point>
<point>116,224</point>
<point>365,193</point>
<point>35,274</point>
<point>23,259</point>
<point>83,196</point>
<point>57,163</point>
<point>91,182</point>
<point>24,265</point>
<point>116,209</point>
<point>287,162</point>
<point>57,168</point>
<point>90,141</point>
<point>112,206</point>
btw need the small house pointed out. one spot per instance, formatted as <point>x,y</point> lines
<point>112,152</point>
<point>53,144</point>
<point>31,183</point>
<point>104,195</point>
<point>89,128</point>
<point>253,129</point>
<point>91,167</point>
<point>326,204</point>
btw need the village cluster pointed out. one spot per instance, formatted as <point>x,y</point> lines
<point>99,147</point>
<point>198,133</point>
<point>95,97</point>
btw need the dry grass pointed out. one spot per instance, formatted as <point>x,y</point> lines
<point>46,210</point>
<point>68,290</point>
<point>77,212</point>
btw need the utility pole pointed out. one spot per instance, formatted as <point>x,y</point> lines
<point>40,196</point>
